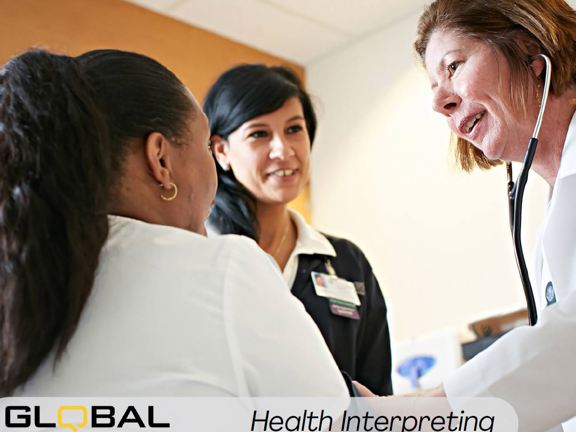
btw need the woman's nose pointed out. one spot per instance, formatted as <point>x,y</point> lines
<point>445,101</point>
<point>280,148</point>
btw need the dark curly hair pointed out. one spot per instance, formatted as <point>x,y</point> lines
<point>65,125</point>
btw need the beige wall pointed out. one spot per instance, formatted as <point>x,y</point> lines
<point>75,26</point>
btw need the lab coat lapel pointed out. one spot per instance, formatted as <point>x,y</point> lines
<point>560,233</point>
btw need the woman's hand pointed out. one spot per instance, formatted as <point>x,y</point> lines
<point>364,391</point>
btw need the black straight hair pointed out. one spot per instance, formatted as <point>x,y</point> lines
<point>238,95</point>
<point>65,125</point>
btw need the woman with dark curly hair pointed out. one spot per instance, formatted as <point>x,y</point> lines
<point>108,285</point>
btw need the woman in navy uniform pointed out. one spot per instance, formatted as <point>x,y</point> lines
<point>262,125</point>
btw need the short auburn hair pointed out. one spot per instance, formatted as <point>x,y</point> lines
<point>551,24</point>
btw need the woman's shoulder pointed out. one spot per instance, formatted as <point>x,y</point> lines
<point>349,257</point>
<point>167,243</point>
<point>345,246</point>
<point>319,243</point>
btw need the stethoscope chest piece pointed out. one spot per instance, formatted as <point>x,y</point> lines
<point>550,294</point>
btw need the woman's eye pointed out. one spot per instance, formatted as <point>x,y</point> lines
<point>452,67</point>
<point>294,129</point>
<point>258,134</point>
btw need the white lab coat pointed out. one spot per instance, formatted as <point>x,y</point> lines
<point>534,368</point>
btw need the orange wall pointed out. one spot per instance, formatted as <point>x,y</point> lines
<point>74,26</point>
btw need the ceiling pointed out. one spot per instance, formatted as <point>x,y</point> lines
<point>298,30</point>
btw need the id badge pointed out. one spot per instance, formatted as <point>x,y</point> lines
<point>344,309</point>
<point>342,294</point>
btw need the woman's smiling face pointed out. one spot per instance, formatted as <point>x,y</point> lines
<point>471,86</point>
<point>270,154</point>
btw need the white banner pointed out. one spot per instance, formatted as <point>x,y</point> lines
<point>401,414</point>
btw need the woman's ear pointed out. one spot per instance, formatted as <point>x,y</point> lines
<point>220,150</point>
<point>158,151</point>
<point>531,49</point>
<point>537,64</point>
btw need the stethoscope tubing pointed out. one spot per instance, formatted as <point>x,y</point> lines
<point>516,198</point>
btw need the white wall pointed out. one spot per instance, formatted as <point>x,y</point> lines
<point>383,176</point>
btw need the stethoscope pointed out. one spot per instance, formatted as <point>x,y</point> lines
<point>516,194</point>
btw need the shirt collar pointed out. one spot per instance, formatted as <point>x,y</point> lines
<point>568,161</point>
<point>310,241</point>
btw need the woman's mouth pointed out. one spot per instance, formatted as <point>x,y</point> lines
<point>283,173</point>
<point>468,125</point>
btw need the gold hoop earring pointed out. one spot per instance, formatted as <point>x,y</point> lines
<point>173,196</point>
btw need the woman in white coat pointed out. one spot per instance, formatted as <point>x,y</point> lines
<point>486,76</point>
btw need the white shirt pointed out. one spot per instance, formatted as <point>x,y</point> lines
<point>173,313</point>
<point>308,242</point>
<point>534,368</point>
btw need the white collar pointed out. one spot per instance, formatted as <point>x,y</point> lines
<point>309,241</point>
<point>568,160</point>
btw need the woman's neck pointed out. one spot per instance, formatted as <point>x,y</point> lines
<point>277,233</point>
<point>557,118</point>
